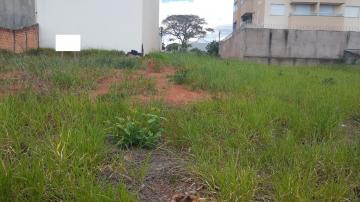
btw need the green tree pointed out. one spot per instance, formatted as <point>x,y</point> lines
<point>213,48</point>
<point>173,47</point>
<point>185,27</point>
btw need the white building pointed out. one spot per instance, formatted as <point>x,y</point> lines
<point>103,24</point>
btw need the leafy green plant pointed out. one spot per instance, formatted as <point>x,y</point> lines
<point>138,130</point>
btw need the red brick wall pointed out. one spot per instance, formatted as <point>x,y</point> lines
<point>21,40</point>
<point>6,39</point>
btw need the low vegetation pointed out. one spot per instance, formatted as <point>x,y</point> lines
<point>267,133</point>
<point>137,130</point>
<point>271,133</point>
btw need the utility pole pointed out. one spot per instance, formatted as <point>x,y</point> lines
<point>219,36</point>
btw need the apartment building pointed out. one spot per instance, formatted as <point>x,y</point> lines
<point>338,15</point>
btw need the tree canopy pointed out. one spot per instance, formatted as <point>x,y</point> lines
<point>185,27</point>
<point>213,48</point>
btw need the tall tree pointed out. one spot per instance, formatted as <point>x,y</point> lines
<point>185,27</point>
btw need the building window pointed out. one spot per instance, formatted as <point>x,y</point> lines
<point>352,11</point>
<point>247,18</point>
<point>277,9</point>
<point>327,10</point>
<point>303,9</point>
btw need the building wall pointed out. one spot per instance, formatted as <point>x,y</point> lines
<point>20,40</point>
<point>111,24</point>
<point>290,21</point>
<point>151,33</point>
<point>279,22</point>
<point>352,24</point>
<point>16,14</point>
<point>256,7</point>
<point>289,46</point>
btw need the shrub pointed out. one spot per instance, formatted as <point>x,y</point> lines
<point>173,47</point>
<point>197,51</point>
<point>138,130</point>
<point>213,48</point>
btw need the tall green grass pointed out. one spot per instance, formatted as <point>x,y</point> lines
<point>268,133</point>
<point>277,132</point>
<point>52,148</point>
<point>52,145</point>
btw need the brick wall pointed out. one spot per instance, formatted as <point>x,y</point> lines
<point>20,40</point>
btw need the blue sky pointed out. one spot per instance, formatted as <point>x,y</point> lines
<point>218,13</point>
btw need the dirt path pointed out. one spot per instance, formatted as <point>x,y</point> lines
<point>166,177</point>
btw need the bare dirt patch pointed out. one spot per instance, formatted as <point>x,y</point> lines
<point>165,177</point>
<point>105,83</point>
<point>13,82</point>
<point>169,92</point>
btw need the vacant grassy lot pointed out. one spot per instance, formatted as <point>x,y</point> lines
<point>265,133</point>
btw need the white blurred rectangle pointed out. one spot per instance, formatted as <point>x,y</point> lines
<point>68,43</point>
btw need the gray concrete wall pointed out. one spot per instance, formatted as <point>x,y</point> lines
<point>289,46</point>
<point>16,14</point>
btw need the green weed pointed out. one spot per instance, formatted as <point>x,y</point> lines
<point>138,130</point>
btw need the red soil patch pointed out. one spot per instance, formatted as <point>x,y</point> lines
<point>104,84</point>
<point>167,91</point>
<point>16,81</point>
<point>12,82</point>
<point>17,74</point>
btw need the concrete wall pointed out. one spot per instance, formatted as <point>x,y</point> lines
<point>16,14</point>
<point>289,46</point>
<point>111,24</point>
